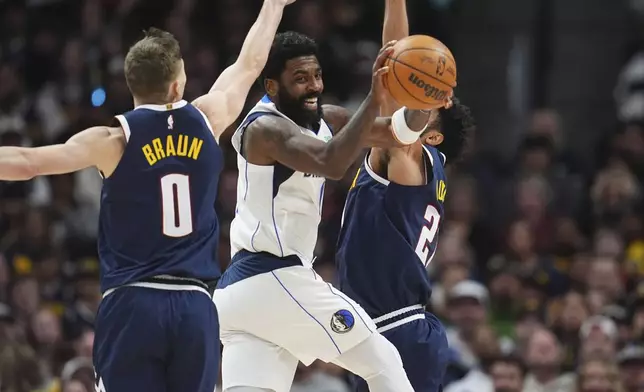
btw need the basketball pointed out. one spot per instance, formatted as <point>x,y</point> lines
<point>422,72</point>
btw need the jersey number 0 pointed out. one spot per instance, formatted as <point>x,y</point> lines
<point>428,234</point>
<point>176,206</point>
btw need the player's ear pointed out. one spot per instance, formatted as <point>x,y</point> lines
<point>175,92</point>
<point>270,85</point>
<point>433,138</point>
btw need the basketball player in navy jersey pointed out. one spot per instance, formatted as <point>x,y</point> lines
<point>157,328</point>
<point>274,309</point>
<point>390,230</point>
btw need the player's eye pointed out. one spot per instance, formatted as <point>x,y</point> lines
<point>300,79</point>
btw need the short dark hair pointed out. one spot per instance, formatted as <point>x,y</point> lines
<point>509,359</point>
<point>151,64</point>
<point>457,125</point>
<point>287,46</point>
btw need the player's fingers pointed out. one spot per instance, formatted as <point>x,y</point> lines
<point>387,46</point>
<point>380,72</point>
<point>382,58</point>
<point>448,101</point>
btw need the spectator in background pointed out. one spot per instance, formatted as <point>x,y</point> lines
<point>45,336</point>
<point>467,304</point>
<point>529,321</point>
<point>619,315</point>
<point>566,325</point>
<point>598,376</point>
<point>598,339</point>
<point>507,373</point>
<point>631,368</point>
<point>636,315</point>
<point>544,357</point>
<point>536,248</point>
<point>604,278</point>
<point>25,298</point>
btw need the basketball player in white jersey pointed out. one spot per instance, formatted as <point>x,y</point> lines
<point>274,309</point>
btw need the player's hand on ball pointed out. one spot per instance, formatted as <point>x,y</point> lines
<point>378,88</point>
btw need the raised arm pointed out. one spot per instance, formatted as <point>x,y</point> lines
<point>272,139</point>
<point>101,147</point>
<point>382,133</point>
<point>278,140</point>
<point>392,130</point>
<point>225,100</point>
<point>395,27</point>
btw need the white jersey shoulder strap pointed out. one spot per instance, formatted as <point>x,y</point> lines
<point>263,107</point>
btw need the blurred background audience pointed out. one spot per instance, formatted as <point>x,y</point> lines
<point>539,274</point>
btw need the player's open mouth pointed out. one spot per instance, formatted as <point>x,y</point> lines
<point>311,103</point>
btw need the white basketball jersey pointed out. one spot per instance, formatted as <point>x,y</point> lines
<point>278,209</point>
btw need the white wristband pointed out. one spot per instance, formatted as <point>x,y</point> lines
<point>401,130</point>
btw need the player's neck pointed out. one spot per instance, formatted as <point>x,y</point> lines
<point>302,119</point>
<point>157,102</point>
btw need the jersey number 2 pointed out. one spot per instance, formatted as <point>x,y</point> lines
<point>428,234</point>
<point>176,206</point>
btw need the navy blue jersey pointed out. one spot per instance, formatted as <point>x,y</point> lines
<point>389,235</point>
<point>158,207</point>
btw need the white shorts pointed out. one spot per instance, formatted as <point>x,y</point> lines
<point>270,321</point>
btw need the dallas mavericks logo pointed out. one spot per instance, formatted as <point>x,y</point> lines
<point>342,321</point>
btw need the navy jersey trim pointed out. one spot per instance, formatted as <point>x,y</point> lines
<point>176,281</point>
<point>119,121</point>
<point>372,173</point>
<point>429,174</point>
<point>245,264</point>
<point>396,317</point>
<point>442,156</point>
<point>125,126</point>
<point>163,108</point>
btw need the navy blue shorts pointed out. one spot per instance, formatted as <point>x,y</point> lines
<point>156,340</point>
<point>422,344</point>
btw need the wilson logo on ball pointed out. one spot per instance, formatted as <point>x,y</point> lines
<point>430,91</point>
<point>440,66</point>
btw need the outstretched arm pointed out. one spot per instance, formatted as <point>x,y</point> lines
<point>97,146</point>
<point>402,165</point>
<point>271,139</point>
<point>276,139</point>
<point>395,27</point>
<point>382,133</point>
<point>225,100</point>
<point>388,131</point>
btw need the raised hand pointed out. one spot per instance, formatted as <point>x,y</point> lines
<point>380,70</point>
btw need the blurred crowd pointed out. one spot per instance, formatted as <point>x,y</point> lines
<point>539,274</point>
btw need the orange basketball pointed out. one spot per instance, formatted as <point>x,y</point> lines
<point>422,72</point>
